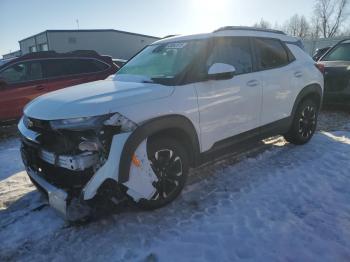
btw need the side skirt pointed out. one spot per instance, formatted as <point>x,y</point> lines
<point>246,140</point>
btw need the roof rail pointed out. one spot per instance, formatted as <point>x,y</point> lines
<point>249,29</point>
<point>46,54</point>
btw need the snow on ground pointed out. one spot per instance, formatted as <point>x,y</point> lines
<point>289,203</point>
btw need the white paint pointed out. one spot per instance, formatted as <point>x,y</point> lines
<point>110,169</point>
<point>141,177</point>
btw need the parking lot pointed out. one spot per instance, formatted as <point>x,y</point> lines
<point>267,204</point>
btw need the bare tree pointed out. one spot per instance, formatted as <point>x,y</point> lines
<point>297,26</point>
<point>331,14</point>
<point>262,24</point>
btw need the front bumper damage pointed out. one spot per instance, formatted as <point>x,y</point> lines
<point>70,182</point>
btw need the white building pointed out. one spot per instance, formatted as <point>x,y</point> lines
<point>115,43</point>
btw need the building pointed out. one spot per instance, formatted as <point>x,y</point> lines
<point>115,43</point>
<point>12,54</point>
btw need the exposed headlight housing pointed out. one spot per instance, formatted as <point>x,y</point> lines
<point>94,122</point>
<point>79,123</point>
<point>125,124</point>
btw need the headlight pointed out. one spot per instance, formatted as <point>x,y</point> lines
<point>79,123</point>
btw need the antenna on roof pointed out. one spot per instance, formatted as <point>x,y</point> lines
<point>77,21</point>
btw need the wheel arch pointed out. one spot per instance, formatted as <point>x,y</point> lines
<point>313,91</point>
<point>176,126</point>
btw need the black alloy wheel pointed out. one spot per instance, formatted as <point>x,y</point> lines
<point>304,123</point>
<point>169,162</point>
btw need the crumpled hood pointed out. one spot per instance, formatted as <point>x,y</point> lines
<point>92,99</point>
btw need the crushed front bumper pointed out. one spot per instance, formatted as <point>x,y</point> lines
<point>57,197</point>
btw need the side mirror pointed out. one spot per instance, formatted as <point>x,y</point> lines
<point>3,84</point>
<point>221,71</point>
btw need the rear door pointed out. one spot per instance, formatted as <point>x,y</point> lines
<point>337,74</point>
<point>25,81</point>
<point>279,79</point>
<point>65,72</point>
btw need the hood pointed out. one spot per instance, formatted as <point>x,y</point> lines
<point>92,99</point>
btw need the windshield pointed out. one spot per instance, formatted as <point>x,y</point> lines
<point>340,53</point>
<point>160,63</point>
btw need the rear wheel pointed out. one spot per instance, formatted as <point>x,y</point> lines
<point>169,161</point>
<point>304,123</point>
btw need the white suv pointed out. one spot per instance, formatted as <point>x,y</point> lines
<point>176,103</point>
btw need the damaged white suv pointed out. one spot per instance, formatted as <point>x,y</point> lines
<point>175,104</point>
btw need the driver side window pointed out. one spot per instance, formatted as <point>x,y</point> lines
<point>234,51</point>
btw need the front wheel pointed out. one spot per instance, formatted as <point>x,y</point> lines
<point>304,123</point>
<point>169,161</point>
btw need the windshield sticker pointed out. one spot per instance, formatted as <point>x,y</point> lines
<point>176,45</point>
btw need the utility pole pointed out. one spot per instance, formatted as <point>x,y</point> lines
<point>77,21</point>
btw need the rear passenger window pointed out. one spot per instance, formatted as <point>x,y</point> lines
<point>270,53</point>
<point>232,51</point>
<point>83,66</point>
<point>67,67</point>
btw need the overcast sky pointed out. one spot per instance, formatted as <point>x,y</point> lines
<point>20,19</point>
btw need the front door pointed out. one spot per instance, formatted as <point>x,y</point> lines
<point>229,107</point>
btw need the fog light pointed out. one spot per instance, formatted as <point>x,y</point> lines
<point>88,146</point>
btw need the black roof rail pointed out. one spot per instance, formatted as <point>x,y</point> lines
<point>47,54</point>
<point>39,54</point>
<point>84,52</point>
<point>249,29</point>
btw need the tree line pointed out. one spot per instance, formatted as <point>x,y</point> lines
<point>329,19</point>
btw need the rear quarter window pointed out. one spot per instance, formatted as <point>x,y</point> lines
<point>271,53</point>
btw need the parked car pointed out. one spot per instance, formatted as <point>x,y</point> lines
<point>29,76</point>
<point>336,63</point>
<point>320,52</point>
<point>180,101</point>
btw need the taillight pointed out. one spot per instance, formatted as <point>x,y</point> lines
<point>320,67</point>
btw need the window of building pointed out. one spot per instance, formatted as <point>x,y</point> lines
<point>270,53</point>
<point>32,49</point>
<point>72,40</point>
<point>44,47</point>
<point>232,51</point>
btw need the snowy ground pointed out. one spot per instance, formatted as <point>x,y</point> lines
<point>277,203</point>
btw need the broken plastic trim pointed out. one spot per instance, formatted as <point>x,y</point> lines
<point>126,125</point>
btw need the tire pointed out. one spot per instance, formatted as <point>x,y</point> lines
<point>169,158</point>
<point>304,123</point>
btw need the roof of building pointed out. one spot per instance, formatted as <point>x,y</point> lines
<point>88,30</point>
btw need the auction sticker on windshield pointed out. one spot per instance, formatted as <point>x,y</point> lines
<point>176,45</point>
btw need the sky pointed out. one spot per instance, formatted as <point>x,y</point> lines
<point>20,19</point>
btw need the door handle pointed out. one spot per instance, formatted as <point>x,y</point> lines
<point>39,87</point>
<point>253,83</point>
<point>298,74</point>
